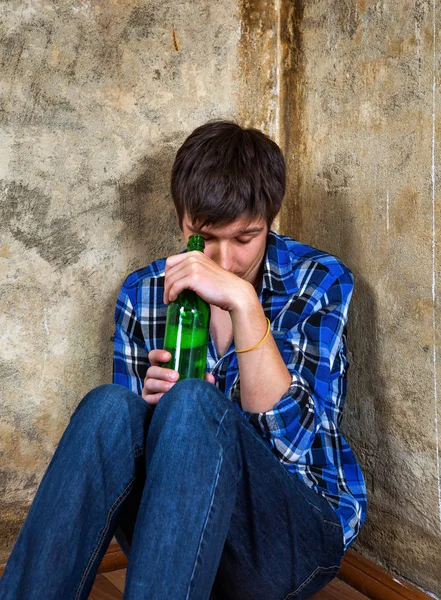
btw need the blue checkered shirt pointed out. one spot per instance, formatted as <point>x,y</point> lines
<point>305,293</point>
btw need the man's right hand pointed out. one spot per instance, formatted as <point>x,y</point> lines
<point>159,380</point>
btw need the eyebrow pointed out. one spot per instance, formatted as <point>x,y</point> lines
<point>242,232</point>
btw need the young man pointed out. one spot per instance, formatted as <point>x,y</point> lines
<point>239,487</point>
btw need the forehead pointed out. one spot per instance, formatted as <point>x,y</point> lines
<point>238,227</point>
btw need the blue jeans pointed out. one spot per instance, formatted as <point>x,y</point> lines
<point>197,500</point>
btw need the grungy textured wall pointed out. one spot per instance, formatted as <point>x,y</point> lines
<point>95,99</point>
<point>362,123</point>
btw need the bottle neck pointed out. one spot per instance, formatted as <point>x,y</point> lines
<point>196,242</point>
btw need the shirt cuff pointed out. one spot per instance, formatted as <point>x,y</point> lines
<point>285,415</point>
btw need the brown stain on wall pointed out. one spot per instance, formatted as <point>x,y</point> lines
<point>406,207</point>
<point>175,40</point>
<point>292,100</point>
<point>361,6</point>
<point>257,75</point>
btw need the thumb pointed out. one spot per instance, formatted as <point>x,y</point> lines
<point>210,378</point>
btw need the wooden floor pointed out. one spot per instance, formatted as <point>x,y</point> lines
<point>110,586</point>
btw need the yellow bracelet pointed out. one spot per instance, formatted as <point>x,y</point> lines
<point>258,343</point>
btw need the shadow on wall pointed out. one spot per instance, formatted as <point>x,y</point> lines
<point>369,424</point>
<point>149,229</point>
<point>368,415</point>
<point>145,207</point>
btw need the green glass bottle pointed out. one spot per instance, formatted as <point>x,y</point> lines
<point>187,327</point>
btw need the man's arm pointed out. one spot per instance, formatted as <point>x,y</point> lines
<point>264,377</point>
<point>310,350</point>
<point>130,358</point>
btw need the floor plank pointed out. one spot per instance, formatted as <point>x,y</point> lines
<point>103,589</point>
<point>118,578</point>
<point>110,586</point>
<point>338,590</point>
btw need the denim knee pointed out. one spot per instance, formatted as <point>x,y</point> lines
<point>110,418</point>
<point>103,400</point>
<point>190,400</point>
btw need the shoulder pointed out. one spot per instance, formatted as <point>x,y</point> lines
<point>140,286</point>
<point>307,262</point>
<point>155,270</point>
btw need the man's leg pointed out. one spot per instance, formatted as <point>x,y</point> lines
<point>284,541</point>
<point>74,512</point>
<point>188,496</point>
<point>218,508</point>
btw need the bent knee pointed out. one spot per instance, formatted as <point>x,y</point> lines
<point>192,397</point>
<point>104,399</point>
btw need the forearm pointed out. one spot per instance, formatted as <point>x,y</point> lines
<point>264,378</point>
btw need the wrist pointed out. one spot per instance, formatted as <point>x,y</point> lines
<point>245,302</point>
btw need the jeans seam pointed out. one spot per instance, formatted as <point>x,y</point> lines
<point>205,524</point>
<point>338,525</point>
<point>221,421</point>
<point>98,545</point>
<point>311,576</point>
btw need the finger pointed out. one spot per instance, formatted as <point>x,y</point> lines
<point>174,260</point>
<point>153,399</point>
<point>179,272</point>
<point>210,378</point>
<point>183,280</point>
<point>155,386</point>
<point>158,357</point>
<point>162,373</point>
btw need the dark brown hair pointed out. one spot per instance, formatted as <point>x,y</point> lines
<point>224,172</point>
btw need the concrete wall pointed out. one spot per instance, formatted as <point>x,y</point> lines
<point>95,99</point>
<point>362,124</point>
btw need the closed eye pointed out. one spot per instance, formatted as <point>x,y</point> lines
<point>241,242</point>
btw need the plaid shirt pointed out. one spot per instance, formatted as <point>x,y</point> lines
<point>305,294</point>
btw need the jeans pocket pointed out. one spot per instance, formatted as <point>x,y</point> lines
<point>315,581</point>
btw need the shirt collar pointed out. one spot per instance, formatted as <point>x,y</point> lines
<point>278,268</point>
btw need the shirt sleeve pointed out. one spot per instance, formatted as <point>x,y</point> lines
<point>130,356</point>
<point>313,345</point>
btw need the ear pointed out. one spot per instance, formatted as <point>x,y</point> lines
<point>177,219</point>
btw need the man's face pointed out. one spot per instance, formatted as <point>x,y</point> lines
<point>238,247</point>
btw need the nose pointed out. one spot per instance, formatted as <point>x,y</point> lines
<point>224,256</point>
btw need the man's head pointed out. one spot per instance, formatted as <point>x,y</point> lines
<point>223,173</point>
<point>228,184</point>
